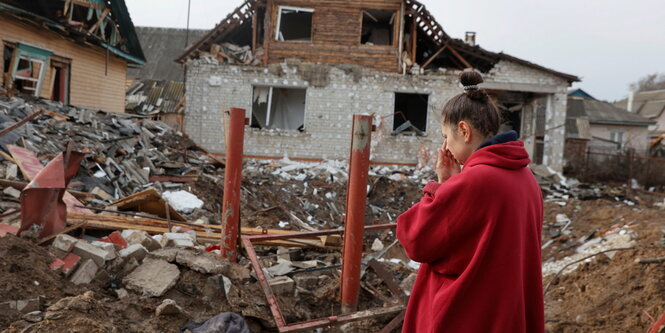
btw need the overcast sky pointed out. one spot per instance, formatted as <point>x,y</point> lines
<point>608,43</point>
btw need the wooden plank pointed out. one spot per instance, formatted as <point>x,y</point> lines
<point>458,56</point>
<point>434,56</point>
<point>105,13</point>
<point>108,222</point>
<point>414,39</point>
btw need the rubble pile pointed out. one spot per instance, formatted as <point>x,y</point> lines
<point>126,153</point>
<point>232,54</point>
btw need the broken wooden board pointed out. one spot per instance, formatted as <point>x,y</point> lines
<point>30,166</point>
<point>206,232</point>
<point>148,201</point>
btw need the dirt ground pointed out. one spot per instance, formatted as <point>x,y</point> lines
<point>603,294</point>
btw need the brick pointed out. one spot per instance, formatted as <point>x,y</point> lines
<point>85,273</point>
<point>86,250</point>
<point>136,251</point>
<point>7,229</point>
<point>57,264</point>
<point>116,239</point>
<point>64,242</point>
<point>71,262</point>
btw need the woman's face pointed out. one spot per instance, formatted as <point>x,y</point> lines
<point>458,140</point>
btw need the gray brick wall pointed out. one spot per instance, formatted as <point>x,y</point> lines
<point>329,109</point>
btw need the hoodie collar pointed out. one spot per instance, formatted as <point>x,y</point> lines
<point>509,155</point>
<point>498,139</point>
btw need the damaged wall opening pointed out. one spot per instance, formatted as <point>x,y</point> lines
<point>294,24</point>
<point>378,27</point>
<point>7,54</point>
<point>278,108</point>
<point>410,114</point>
<point>60,82</point>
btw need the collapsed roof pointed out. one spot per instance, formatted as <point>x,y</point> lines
<point>435,47</point>
<point>103,23</point>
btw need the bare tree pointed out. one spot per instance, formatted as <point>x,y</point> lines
<point>655,81</point>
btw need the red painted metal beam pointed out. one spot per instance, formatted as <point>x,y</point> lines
<point>658,326</point>
<point>232,179</point>
<point>356,199</point>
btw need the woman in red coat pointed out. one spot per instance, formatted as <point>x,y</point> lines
<point>476,232</point>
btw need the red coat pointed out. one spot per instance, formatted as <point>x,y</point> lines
<point>477,236</point>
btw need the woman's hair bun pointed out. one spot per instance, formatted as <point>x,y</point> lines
<point>470,78</point>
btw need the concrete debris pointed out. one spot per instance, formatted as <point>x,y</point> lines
<point>121,293</point>
<point>64,242</point>
<point>12,192</point>
<point>168,307</point>
<point>282,285</point>
<point>85,273</point>
<point>134,251</point>
<point>108,247</point>
<point>201,262</point>
<point>171,239</point>
<point>153,278</point>
<point>86,251</point>
<point>23,306</point>
<point>377,245</point>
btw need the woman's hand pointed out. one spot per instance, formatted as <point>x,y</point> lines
<point>446,164</point>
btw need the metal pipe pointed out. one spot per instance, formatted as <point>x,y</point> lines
<point>232,179</point>
<point>355,211</point>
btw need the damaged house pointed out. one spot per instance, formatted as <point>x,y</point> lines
<point>302,68</point>
<point>76,51</point>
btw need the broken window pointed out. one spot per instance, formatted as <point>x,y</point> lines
<point>60,82</point>
<point>378,27</point>
<point>27,67</point>
<point>294,24</point>
<point>410,113</point>
<point>278,108</point>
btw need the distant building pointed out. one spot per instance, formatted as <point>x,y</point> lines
<point>650,105</point>
<point>597,126</point>
<point>75,52</point>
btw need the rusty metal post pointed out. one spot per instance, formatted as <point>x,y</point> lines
<point>232,179</point>
<point>355,211</point>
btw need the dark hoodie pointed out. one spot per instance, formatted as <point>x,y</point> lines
<point>477,236</point>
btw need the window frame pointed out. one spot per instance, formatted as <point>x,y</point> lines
<point>394,31</point>
<point>279,23</point>
<point>427,114</point>
<point>269,108</point>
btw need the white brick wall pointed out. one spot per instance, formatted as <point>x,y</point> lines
<point>329,110</point>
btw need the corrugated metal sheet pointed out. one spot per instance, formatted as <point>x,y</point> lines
<point>155,97</point>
